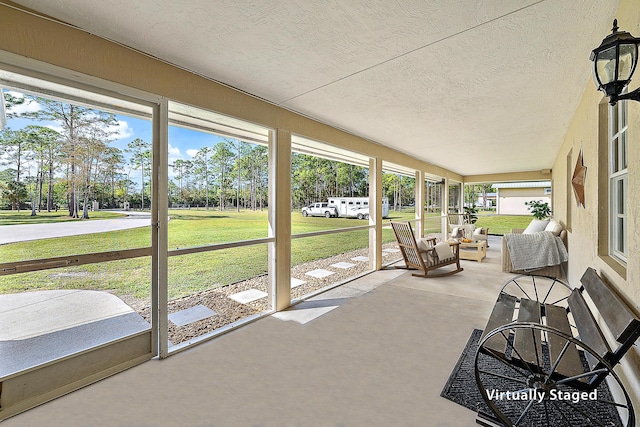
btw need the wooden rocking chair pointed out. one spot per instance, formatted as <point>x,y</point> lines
<point>423,259</point>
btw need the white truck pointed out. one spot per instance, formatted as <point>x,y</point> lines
<point>356,207</point>
<point>320,209</point>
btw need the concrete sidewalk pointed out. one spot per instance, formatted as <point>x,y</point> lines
<point>25,232</point>
<point>42,326</point>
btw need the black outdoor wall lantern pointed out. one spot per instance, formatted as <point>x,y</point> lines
<point>614,62</point>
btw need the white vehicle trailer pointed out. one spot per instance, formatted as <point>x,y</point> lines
<point>356,207</point>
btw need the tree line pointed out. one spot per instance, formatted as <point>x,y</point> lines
<point>229,174</point>
<point>76,164</point>
<point>47,169</point>
<point>315,179</point>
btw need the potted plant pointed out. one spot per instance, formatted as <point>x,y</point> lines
<point>539,209</point>
<point>470,216</point>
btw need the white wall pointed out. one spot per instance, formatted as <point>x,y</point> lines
<point>511,200</point>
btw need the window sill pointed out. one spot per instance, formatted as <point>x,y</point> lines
<point>617,266</point>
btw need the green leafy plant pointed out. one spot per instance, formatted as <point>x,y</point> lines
<point>470,216</point>
<point>539,209</point>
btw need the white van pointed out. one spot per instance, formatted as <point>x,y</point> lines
<point>356,207</point>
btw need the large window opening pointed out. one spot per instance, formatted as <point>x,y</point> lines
<point>479,206</point>
<point>399,192</point>
<point>433,196</point>
<point>455,198</point>
<point>329,218</point>
<point>218,229</point>
<point>75,222</point>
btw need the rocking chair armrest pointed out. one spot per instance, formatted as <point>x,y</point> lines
<point>455,248</point>
<point>426,251</point>
<point>425,244</point>
<point>432,249</point>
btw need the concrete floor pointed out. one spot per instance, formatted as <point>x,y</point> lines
<point>379,358</point>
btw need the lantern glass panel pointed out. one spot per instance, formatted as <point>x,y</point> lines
<point>606,65</point>
<point>628,59</point>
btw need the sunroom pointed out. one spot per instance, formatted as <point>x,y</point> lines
<point>233,105</point>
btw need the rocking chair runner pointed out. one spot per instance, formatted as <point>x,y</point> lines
<point>427,259</point>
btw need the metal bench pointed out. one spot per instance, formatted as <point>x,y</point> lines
<point>543,359</point>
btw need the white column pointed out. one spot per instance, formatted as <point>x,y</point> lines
<point>375,213</point>
<point>419,204</point>
<point>280,218</point>
<point>160,222</point>
<point>445,209</point>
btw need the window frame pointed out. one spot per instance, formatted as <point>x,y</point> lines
<point>618,180</point>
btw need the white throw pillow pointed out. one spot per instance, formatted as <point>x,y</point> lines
<point>536,226</point>
<point>553,227</point>
<point>444,251</point>
<point>422,245</point>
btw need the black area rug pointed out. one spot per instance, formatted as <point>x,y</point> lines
<point>461,388</point>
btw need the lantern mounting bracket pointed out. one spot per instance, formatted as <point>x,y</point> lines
<point>633,96</point>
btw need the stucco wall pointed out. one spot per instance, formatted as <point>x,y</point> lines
<point>584,236</point>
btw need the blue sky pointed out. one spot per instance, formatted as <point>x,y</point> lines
<point>183,143</point>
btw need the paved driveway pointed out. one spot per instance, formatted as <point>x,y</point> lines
<point>24,232</point>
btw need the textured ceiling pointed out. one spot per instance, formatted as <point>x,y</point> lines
<point>475,86</point>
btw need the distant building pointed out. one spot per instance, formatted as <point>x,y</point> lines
<point>489,203</point>
<point>511,196</point>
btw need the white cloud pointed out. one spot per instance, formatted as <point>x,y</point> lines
<point>121,129</point>
<point>191,152</point>
<point>174,151</point>
<point>29,106</point>
<point>58,129</point>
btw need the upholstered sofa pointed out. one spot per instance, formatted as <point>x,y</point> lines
<point>558,271</point>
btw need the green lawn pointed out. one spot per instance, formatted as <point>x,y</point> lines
<point>432,223</point>
<point>195,272</point>
<point>188,273</point>
<point>24,217</point>
<point>502,224</point>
